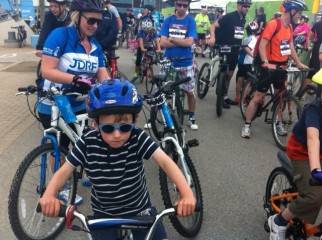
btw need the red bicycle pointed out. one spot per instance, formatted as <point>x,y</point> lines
<point>146,70</point>
<point>111,66</point>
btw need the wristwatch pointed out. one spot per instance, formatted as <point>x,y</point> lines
<point>171,39</point>
<point>265,61</point>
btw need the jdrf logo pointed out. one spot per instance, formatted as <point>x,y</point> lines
<point>81,64</point>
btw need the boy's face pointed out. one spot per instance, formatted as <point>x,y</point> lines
<point>115,139</point>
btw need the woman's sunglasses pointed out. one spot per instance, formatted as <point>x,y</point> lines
<point>110,128</point>
<point>182,5</point>
<point>91,21</point>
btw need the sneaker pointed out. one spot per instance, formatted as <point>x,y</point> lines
<point>135,76</point>
<point>192,124</point>
<point>276,232</point>
<point>230,102</point>
<point>225,105</point>
<point>246,131</point>
<point>280,128</point>
<point>206,51</point>
<point>203,55</point>
<point>64,196</point>
<point>147,125</point>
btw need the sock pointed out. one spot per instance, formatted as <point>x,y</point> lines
<point>246,123</point>
<point>280,221</point>
<point>191,115</point>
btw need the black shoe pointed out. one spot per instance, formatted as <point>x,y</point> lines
<point>225,105</point>
<point>203,55</point>
<point>230,102</point>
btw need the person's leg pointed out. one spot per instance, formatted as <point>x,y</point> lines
<point>137,65</point>
<point>232,60</point>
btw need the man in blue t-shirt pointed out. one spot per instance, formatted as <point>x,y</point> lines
<point>178,34</point>
<point>157,18</point>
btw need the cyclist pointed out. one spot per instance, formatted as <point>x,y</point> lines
<point>178,33</point>
<point>112,155</point>
<point>275,48</point>
<point>203,24</point>
<point>112,8</point>
<point>304,148</point>
<point>301,32</point>
<point>230,32</point>
<point>58,16</point>
<point>219,13</point>
<point>71,57</point>
<point>148,40</point>
<point>246,59</point>
<point>157,18</point>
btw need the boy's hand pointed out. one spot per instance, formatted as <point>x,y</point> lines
<point>144,50</point>
<point>186,206</point>
<point>317,174</point>
<point>158,51</point>
<point>50,206</point>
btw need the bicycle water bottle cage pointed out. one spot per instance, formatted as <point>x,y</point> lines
<point>65,108</point>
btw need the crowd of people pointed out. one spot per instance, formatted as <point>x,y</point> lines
<point>83,32</point>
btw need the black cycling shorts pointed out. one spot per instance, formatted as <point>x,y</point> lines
<point>266,78</point>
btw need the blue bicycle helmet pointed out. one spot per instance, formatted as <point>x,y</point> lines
<point>87,6</point>
<point>113,96</point>
<point>298,5</point>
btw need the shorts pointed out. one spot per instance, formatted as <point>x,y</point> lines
<point>267,78</point>
<point>187,72</point>
<point>159,233</point>
<point>308,203</point>
<point>232,59</point>
<point>243,69</point>
<point>201,36</point>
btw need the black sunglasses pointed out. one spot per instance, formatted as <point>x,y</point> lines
<point>110,128</point>
<point>182,5</point>
<point>246,6</point>
<point>92,21</point>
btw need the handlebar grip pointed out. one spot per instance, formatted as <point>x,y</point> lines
<point>313,182</point>
<point>62,210</point>
<point>22,89</point>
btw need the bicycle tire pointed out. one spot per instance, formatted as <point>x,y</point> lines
<point>247,92</point>
<point>120,75</point>
<point>20,42</point>
<point>180,102</point>
<point>148,79</point>
<point>289,118</point>
<point>38,71</point>
<point>220,90</point>
<point>203,80</point>
<point>307,95</point>
<point>188,226</point>
<point>24,196</point>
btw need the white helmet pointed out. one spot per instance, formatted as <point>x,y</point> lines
<point>253,25</point>
<point>147,24</point>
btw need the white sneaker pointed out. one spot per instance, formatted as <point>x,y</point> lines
<point>206,51</point>
<point>276,232</point>
<point>280,128</point>
<point>64,196</point>
<point>246,131</point>
<point>147,125</point>
<point>192,124</point>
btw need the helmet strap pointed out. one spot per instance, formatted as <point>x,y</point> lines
<point>78,26</point>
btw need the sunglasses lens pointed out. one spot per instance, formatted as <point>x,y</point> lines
<point>92,21</point>
<point>246,6</point>
<point>108,128</point>
<point>182,5</point>
<point>126,128</point>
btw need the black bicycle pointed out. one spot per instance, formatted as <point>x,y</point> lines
<point>21,35</point>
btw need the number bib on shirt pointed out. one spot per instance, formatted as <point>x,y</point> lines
<point>239,32</point>
<point>177,31</point>
<point>285,48</point>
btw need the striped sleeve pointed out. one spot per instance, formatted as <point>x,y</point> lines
<point>146,146</point>
<point>76,157</point>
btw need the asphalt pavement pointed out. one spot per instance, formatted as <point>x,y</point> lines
<point>232,170</point>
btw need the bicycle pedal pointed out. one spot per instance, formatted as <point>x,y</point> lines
<point>193,143</point>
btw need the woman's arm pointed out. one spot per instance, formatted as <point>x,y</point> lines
<point>313,145</point>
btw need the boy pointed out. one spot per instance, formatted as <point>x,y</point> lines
<point>112,158</point>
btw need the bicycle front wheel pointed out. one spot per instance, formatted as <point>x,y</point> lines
<point>247,92</point>
<point>120,75</point>
<point>187,226</point>
<point>203,80</point>
<point>285,114</point>
<point>26,190</point>
<point>148,79</point>
<point>220,91</point>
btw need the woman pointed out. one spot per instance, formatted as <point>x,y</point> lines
<point>72,58</point>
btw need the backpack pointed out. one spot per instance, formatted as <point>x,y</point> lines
<point>257,59</point>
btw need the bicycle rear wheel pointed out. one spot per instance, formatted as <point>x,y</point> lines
<point>247,92</point>
<point>25,192</point>
<point>220,91</point>
<point>120,75</point>
<point>290,112</point>
<point>188,226</point>
<point>148,79</point>
<point>307,95</point>
<point>203,80</point>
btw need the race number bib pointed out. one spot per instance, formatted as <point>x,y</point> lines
<point>239,32</point>
<point>177,31</point>
<point>285,48</point>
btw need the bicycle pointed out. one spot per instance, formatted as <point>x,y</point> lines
<point>284,106</point>
<point>21,35</point>
<point>280,192</point>
<point>146,69</point>
<point>123,225</point>
<point>111,66</point>
<point>172,138</point>
<point>38,167</point>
